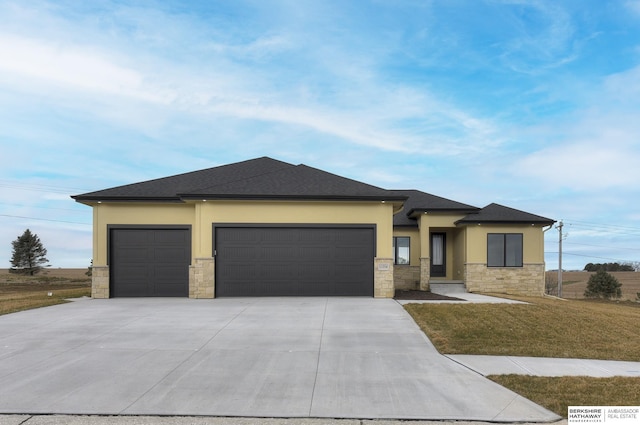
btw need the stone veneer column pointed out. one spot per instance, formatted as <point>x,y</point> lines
<point>383,286</point>
<point>425,273</point>
<point>201,278</point>
<point>100,281</point>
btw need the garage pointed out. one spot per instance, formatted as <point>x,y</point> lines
<point>283,260</point>
<point>149,262</point>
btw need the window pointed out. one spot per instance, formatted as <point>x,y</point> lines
<point>401,250</point>
<point>504,250</point>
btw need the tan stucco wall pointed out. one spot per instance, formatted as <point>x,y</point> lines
<point>459,254</point>
<point>380,214</point>
<point>525,280</point>
<point>407,276</point>
<point>201,215</point>
<point>444,223</point>
<point>532,242</point>
<point>414,243</point>
<point>439,220</point>
<point>127,213</point>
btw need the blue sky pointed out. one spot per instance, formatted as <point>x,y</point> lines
<point>531,104</point>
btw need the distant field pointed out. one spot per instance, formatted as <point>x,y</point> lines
<point>51,286</point>
<point>51,272</point>
<point>574,283</point>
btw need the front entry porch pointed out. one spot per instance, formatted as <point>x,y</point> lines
<point>444,287</point>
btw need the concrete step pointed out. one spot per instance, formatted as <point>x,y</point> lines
<point>447,287</point>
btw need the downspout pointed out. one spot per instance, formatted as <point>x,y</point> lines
<point>545,276</point>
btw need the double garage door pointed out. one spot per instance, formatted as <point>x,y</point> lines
<point>294,261</point>
<point>250,261</point>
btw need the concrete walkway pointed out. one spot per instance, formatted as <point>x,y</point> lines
<point>543,366</point>
<point>464,298</point>
<point>360,358</point>
<point>535,366</point>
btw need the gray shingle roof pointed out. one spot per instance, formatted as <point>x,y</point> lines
<point>295,182</point>
<point>421,202</point>
<point>261,178</point>
<point>267,178</point>
<point>496,213</point>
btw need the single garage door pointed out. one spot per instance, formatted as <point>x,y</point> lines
<point>150,262</point>
<point>294,261</point>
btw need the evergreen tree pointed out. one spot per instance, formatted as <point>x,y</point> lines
<point>28,254</point>
<point>603,285</point>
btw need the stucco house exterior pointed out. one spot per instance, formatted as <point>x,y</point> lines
<point>264,227</point>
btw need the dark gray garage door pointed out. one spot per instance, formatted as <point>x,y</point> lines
<point>150,262</point>
<point>294,261</point>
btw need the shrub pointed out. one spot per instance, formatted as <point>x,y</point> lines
<point>603,285</point>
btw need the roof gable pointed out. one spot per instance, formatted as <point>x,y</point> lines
<point>496,213</point>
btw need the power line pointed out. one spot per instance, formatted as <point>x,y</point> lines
<point>44,219</point>
<point>590,256</point>
<point>40,187</point>
<point>604,227</point>
<point>48,208</point>
<point>603,246</point>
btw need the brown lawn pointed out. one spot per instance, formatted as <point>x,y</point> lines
<point>587,329</point>
<point>574,283</point>
<point>51,286</point>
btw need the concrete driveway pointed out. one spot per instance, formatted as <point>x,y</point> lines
<point>265,357</point>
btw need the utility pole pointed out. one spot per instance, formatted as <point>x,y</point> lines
<point>559,226</point>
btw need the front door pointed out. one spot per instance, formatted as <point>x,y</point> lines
<point>438,255</point>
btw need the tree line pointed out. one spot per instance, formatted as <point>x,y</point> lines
<point>612,267</point>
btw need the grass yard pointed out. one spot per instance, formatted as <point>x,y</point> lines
<point>558,393</point>
<point>544,328</point>
<point>574,283</point>
<point>19,292</point>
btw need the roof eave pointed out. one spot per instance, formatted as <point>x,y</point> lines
<point>98,199</point>
<point>532,222</point>
<point>262,197</point>
<point>442,210</point>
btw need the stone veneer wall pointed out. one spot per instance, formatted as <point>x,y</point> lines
<point>201,278</point>
<point>425,273</point>
<point>383,278</point>
<point>527,280</point>
<point>100,281</point>
<point>406,277</point>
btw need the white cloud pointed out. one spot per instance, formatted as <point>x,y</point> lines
<point>71,66</point>
<point>369,116</point>
<point>633,5</point>
<point>588,165</point>
<point>541,36</point>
